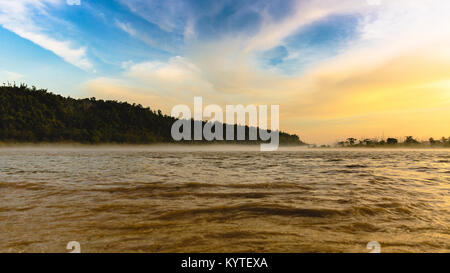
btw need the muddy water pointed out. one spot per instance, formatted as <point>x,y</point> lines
<point>156,200</point>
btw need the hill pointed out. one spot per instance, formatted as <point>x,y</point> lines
<point>36,115</point>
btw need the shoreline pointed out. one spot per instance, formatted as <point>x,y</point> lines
<point>200,147</point>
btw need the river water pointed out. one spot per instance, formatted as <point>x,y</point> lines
<point>147,199</point>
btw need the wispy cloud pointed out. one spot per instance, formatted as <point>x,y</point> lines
<point>17,16</point>
<point>169,15</point>
<point>9,76</point>
<point>133,32</point>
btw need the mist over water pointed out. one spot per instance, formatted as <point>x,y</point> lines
<point>223,199</point>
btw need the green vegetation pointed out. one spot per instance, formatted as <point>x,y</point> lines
<point>32,115</point>
<point>409,141</point>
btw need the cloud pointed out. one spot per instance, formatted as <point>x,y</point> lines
<point>168,14</point>
<point>273,32</point>
<point>124,90</point>
<point>17,17</point>
<point>10,76</point>
<point>178,77</point>
<point>126,27</point>
<point>133,32</point>
<point>177,81</point>
<point>73,2</point>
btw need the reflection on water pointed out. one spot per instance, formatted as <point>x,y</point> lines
<point>151,200</point>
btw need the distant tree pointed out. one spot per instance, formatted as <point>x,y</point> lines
<point>341,143</point>
<point>446,141</point>
<point>410,140</point>
<point>351,141</point>
<point>392,141</point>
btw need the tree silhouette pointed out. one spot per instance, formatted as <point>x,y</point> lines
<point>351,141</point>
<point>410,140</point>
<point>392,141</point>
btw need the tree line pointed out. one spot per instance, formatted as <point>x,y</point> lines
<point>36,115</point>
<point>389,142</point>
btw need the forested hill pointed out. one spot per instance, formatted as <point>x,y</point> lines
<point>31,115</point>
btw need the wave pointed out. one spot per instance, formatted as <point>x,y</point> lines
<point>260,209</point>
<point>23,185</point>
<point>248,195</point>
<point>254,210</point>
<point>356,166</point>
<point>170,188</point>
<point>334,160</point>
<point>443,161</point>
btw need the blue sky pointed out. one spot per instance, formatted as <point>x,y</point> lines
<point>322,61</point>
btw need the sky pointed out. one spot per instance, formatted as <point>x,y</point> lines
<point>338,69</point>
